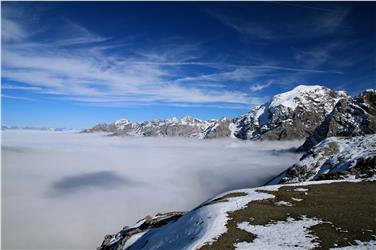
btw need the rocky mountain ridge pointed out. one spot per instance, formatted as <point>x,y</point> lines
<point>185,127</point>
<point>291,115</point>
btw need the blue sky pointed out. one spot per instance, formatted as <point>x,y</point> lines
<point>75,64</point>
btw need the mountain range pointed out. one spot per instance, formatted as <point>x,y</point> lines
<point>295,114</point>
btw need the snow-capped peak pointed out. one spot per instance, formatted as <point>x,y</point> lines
<point>122,121</point>
<point>291,99</point>
<point>369,91</point>
<point>289,115</point>
<point>187,118</point>
<point>120,124</point>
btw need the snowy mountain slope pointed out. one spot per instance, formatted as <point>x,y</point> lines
<point>334,158</point>
<point>352,116</point>
<point>290,115</point>
<point>271,217</point>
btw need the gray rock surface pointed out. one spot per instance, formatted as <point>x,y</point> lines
<point>350,117</point>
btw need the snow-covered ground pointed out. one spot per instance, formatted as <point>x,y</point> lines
<point>67,190</point>
<point>203,225</point>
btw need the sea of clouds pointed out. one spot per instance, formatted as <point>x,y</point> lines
<point>67,190</point>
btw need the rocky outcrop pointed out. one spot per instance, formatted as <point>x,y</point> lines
<point>334,158</point>
<point>350,117</point>
<point>118,241</point>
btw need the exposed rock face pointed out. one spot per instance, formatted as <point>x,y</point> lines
<point>102,127</point>
<point>217,129</point>
<point>187,126</point>
<point>290,115</point>
<point>334,158</point>
<point>118,241</point>
<point>350,117</point>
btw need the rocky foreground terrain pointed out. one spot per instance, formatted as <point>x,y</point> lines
<point>326,200</point>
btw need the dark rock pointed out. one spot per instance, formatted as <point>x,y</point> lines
<point>117,241</point>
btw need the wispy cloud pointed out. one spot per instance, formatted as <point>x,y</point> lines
<point>258,87</point>
<point>17,97</point>
<point>255,30</point>
<point>298,5</point>
<point>328,21</point>
<point>90,74</point>
<point>77,64</point>
<point>16,87</point>
<point>322,53</point>
<point>11,31</point>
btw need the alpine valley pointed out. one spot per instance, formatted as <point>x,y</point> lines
<point>326,200</point>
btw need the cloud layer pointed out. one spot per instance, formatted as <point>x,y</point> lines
<point>66,190</point>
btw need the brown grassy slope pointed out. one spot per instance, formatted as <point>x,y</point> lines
<point>349,210</point>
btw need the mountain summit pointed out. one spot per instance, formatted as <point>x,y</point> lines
<point>290,115</point>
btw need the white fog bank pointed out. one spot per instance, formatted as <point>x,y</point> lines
<point>67,190</point>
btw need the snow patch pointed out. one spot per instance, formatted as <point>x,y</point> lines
<point>133,239</point>
<point>233,129</point>
<point>296,199</point>
<point>370,245</point>
<point>283,203</point>
<point>291,234</point>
